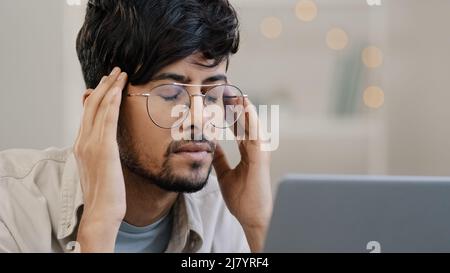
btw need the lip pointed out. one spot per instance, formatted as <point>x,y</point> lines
<point>194,148</point>
<point>194,151</point>
<point>193,156</point>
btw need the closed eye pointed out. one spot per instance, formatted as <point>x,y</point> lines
<point>211,99</point>
<point>170,98</point>
<point>170,94</point>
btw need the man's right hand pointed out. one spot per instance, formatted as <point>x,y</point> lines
<point>97,155</point>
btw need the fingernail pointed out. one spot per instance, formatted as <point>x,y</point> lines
<point>122,76</point>
<point>114,71</point>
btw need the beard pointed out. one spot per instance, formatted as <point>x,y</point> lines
<point>166,178</point>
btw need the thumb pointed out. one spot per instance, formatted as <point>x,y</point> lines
<point>220,162</point>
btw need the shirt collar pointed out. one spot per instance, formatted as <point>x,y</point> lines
<point>71,198</point>
<point>187,231</point>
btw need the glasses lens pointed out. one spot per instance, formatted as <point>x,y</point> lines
<point>227,104</point>
<point>168,106</point>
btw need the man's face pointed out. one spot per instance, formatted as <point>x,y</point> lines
<point>150,151</point>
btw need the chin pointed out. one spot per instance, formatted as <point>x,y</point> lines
<point>185,179</point>
<point>191,171</point>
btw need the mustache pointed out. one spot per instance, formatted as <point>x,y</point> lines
<point>176,145</point>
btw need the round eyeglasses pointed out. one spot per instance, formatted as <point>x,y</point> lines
<point>168,105</point>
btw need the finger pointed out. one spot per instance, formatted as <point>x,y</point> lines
<point>112,115</point>
<point>100,91</point>
<point>248,125</point>
<point>86,95</point>
<point>251,120</point>
<point>94,99</point>
<point>239,129</point>
<point>220,162</point>
<point>246,128</point>
<point>110,107</point>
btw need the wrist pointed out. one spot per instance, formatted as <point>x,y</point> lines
<point>259,228</point>
<point>255,236</point>
<point>97,235</point>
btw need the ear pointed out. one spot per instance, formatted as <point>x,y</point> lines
<point>86,95</point>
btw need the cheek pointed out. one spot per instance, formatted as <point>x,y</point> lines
<point>149,141</point>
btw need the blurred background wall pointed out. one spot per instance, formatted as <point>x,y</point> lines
<point>362,85</point>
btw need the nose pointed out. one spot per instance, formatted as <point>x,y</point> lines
<point>197,118</point>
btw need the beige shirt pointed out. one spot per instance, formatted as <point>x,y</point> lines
<point>40,197</point>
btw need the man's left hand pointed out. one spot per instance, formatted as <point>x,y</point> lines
<point>247,189</point>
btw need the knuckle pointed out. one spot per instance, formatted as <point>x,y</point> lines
<point>77,150</point>
<point>109,80</point>
<point>82,150</point>
<point>102,80</point>
<point>87,101</point>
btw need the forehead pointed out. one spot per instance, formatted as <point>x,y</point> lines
<point>195,66</point>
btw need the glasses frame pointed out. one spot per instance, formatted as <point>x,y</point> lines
<point>147,95</point>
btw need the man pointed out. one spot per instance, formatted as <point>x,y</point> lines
<point>128,185</point>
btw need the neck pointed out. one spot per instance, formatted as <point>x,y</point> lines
<point>146,202</point>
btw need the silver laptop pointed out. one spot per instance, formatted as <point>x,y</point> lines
<point>368,214</point>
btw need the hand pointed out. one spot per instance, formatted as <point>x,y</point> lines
<point>97,155</point>
<point>247,189</point>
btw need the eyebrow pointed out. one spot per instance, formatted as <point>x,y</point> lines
<point>183,79</point>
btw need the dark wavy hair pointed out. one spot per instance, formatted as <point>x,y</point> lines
<point>143,36</point>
